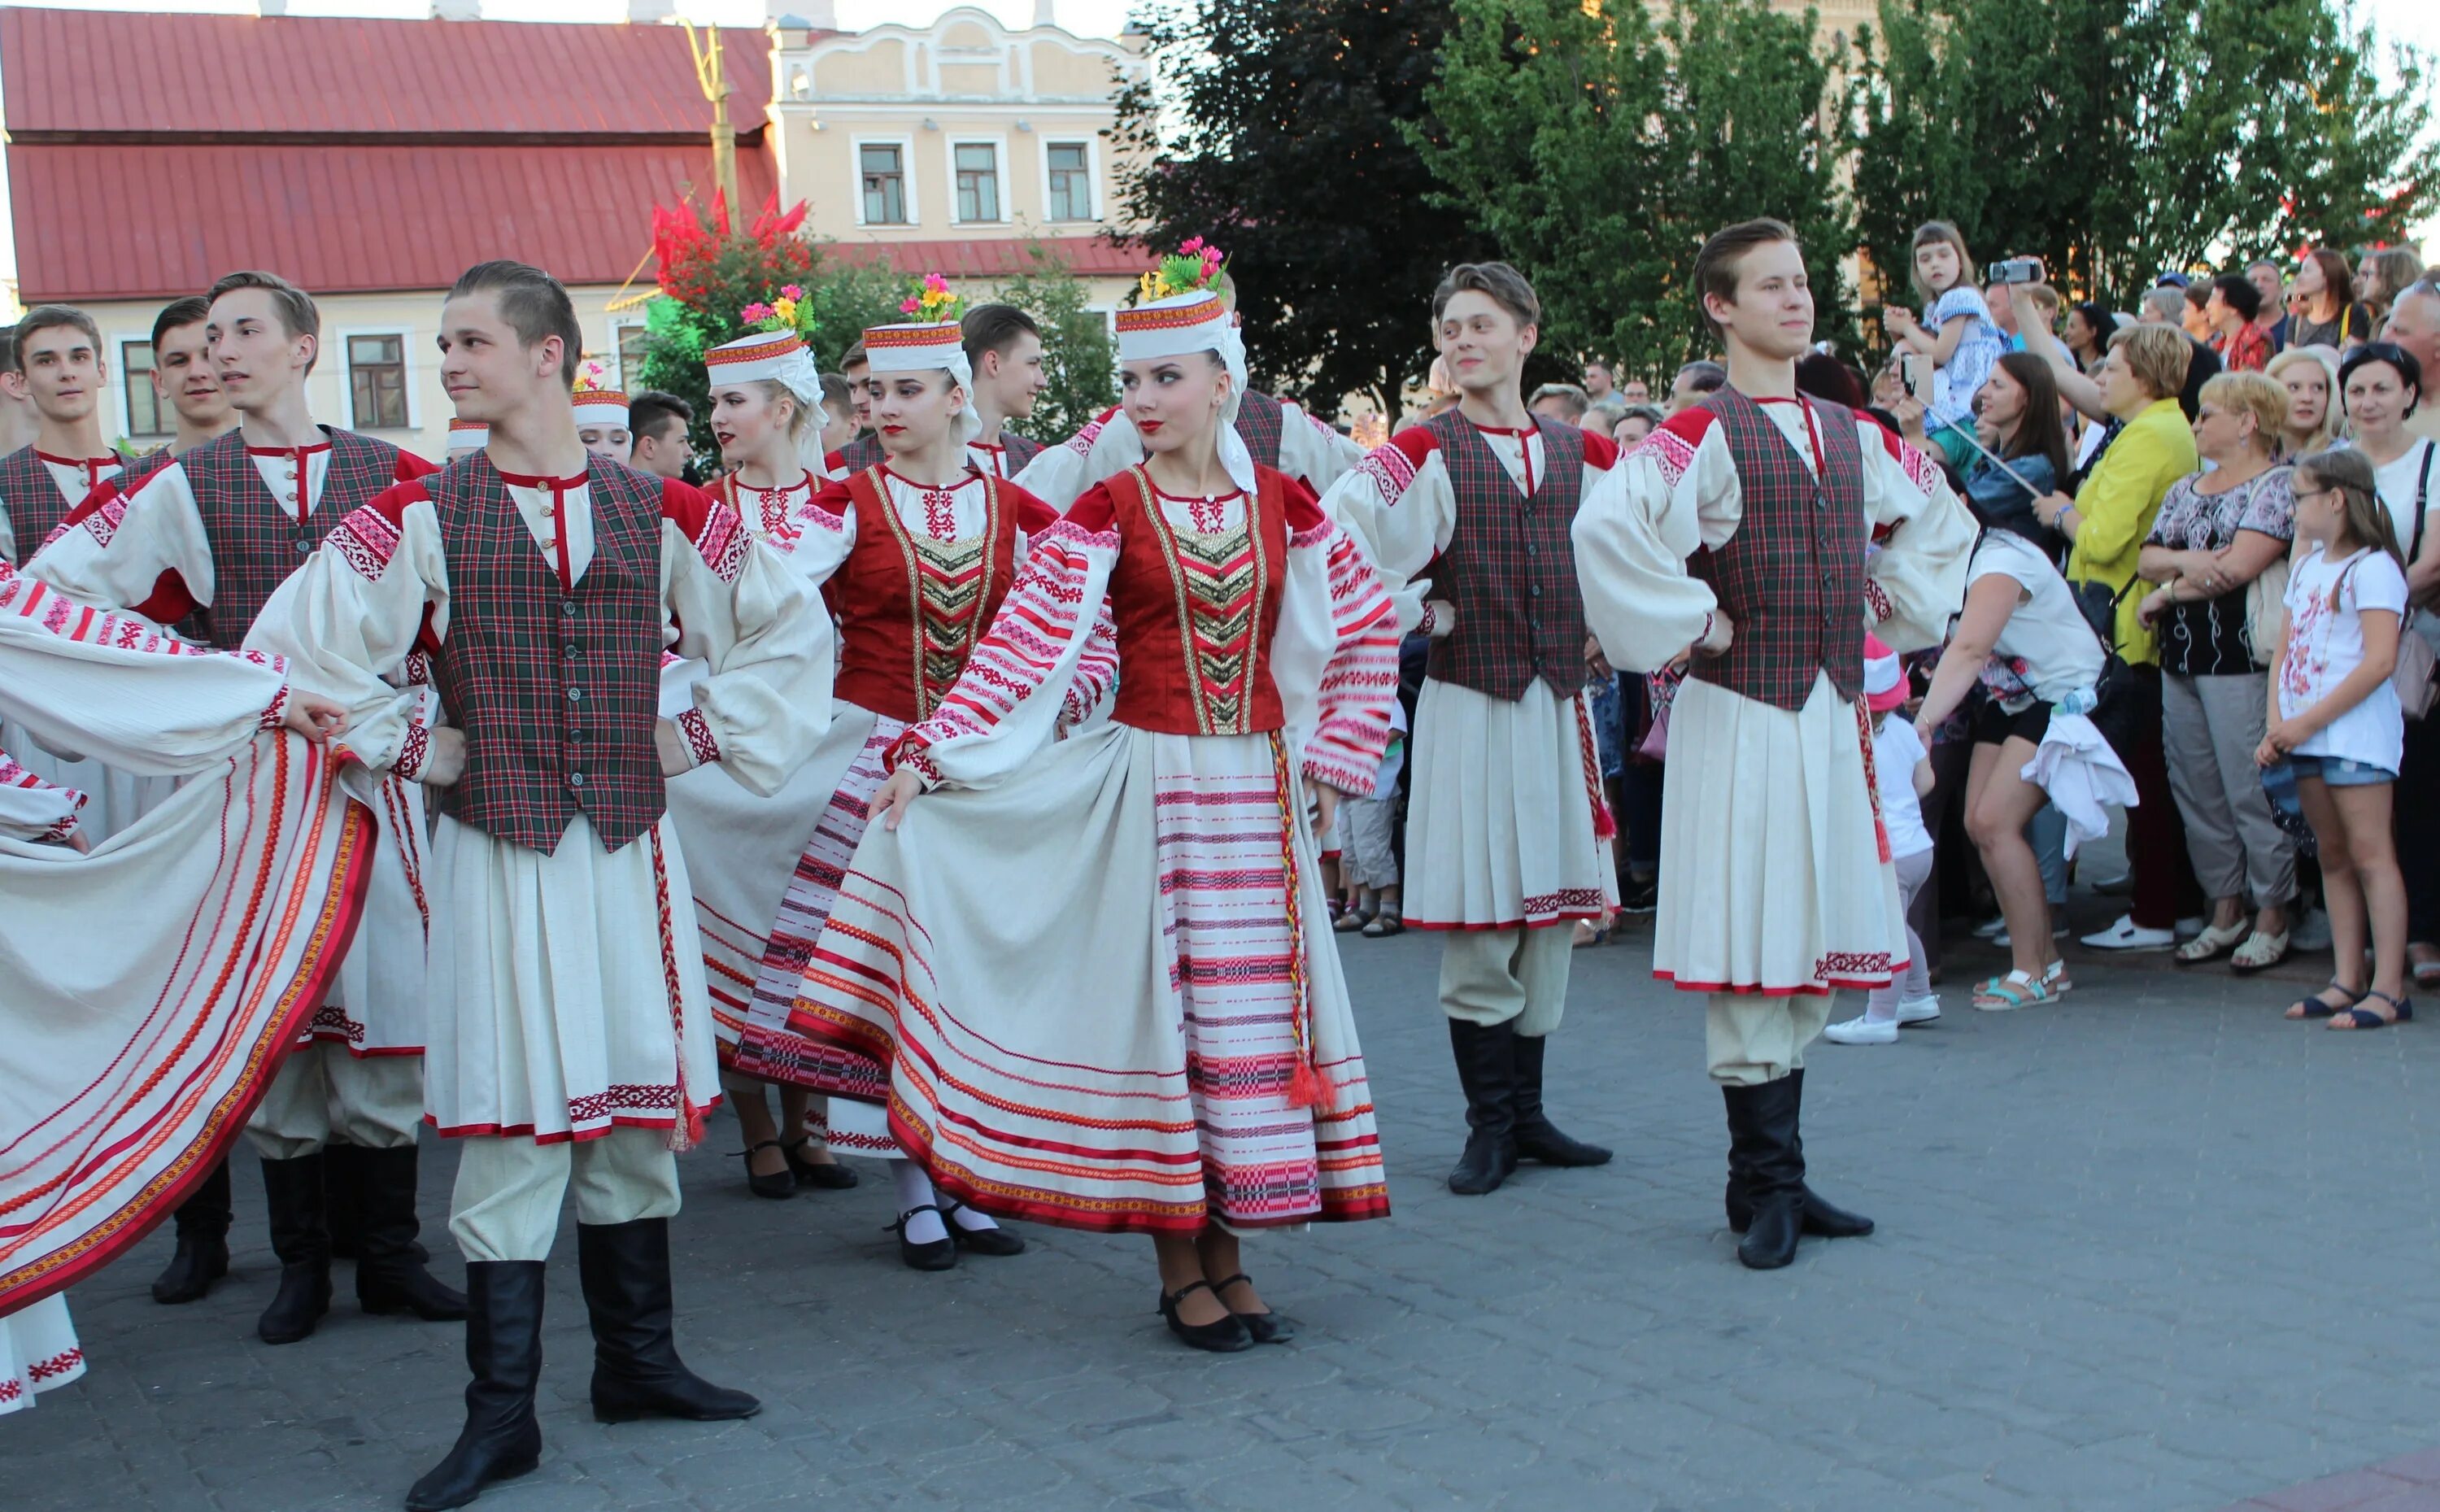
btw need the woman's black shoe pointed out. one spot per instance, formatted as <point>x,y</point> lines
<point>994,1241</point>
<point>1226,1336</point>
<point>829,1175</point>
<point>1265,1328</point>
<point>778,1185</point>
<point>941,1254</point>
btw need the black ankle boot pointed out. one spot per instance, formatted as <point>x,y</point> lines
<point>1820,1219</point>
<point>343,1180</point>
<point>201,1256</point>
<point>1762,1148</point>
<point>303,1246</point>
<point>389,1277</point>
<point>637,1371</point>
<point>1486,1068</point>
<point>502,1439</point>
<point>1537,1138</point>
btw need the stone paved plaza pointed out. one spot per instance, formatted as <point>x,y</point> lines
<point>2152,1250</point>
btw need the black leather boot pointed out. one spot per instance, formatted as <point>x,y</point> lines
<point>201,1256</point>
<point>1761,1146</point>
<point>637,1371</point>
<point>303,1246</point>
<point>343,1180</point>
<point>502,1439</point>
<point>1821,1220</point>
<point>389,1277</point>
<point>1537,1138</point>
<point>1486,1068</point>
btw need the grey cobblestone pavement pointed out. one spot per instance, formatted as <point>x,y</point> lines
<point>2153,1249</point>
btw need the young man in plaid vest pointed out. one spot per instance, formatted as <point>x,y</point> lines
<point>1736,540</point>
<point>208,538</point>
<point>571,1029</point>
<point>1506,832</point>
<point>1277,434</point>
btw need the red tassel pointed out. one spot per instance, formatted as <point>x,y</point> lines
<point>1605,822</point>
<point>1309,1088</point>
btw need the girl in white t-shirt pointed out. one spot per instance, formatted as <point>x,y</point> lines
<point>1902,771</point>
<point>2335,717</point>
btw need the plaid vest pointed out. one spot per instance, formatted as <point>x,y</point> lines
<point>1195,613</point>
<point>36,506</point>
<point>911,611</point>
<point>1259,418</point>
<point>558,693</point>
<point>1792,579</point>
<point>255,544</point>
<point>1510,566</point>
<point>862,450</point>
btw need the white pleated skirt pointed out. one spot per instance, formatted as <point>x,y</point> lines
<point>1499,819</point>
<point>1774,872</point>
<point>38,1351</point>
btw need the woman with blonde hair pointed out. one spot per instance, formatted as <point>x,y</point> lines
<point>2314,422</point>
<point>2218,534</point>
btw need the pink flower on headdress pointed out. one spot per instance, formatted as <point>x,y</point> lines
<point>1194,246</point>
<point>757,311</point>
<point>793,291</point>
<point>910,305</point>
<point>934,283</point>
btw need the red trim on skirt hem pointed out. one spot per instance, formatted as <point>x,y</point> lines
<point>577,1136</point>
<point>1747,989</point>
<point>1571,917</point>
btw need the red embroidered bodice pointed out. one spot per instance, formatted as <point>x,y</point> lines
<point>1196,606</point>
<point>913,597</point>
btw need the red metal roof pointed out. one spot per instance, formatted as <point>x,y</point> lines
<point>82,73</point>
<point>105,222</point>
<point>1086,257</point>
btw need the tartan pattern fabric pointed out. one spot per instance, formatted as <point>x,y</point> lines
<point>1510,566</point>
<point>558,692</point>
<point>862,450</point>
<point>1195,612</point>
<point>255,545</point>
<point>1016,450</point>
<point>1792,579</point>
<point>1259,422</point>
<point>35,504</point>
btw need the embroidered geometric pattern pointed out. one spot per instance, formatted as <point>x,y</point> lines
<point>1391,470</point>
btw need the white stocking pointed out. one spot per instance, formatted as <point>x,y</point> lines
<point>915,1191</point>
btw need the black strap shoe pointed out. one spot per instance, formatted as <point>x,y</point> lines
<point>637,1373</point>
<point>1264,1327</point>
<point>502,1439</point>
<point>779,1184</point>
<point>390,1276</point>
<point>203,1255</point>
<point>831,1176</point>
<point>1226,1335</point>
<point>1537,1138</point>
<point>294,1193</point>
<point>936,1255</point>
<point>992,1241</point>
<point>1486,1069</point>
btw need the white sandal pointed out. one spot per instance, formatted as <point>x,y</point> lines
<point>2213,943</point>
<point>2260,952</point>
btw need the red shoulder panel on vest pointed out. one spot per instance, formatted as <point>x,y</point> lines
<point>411,467</point>
<point>1095,510</point>
<point>1417,443</point>
<point>1033,516</point>
<point>1600,451</point>
<point>393,502</point>
<point>832,497</point>
<point>1304,505</point>
<point>1689,424</point>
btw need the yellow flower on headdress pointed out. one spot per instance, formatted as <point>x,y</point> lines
<point>932,302</point>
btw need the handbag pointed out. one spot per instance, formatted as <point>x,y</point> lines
<point>2416,656</point>
<point>2287,807</point>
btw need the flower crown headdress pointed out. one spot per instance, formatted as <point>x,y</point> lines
<point>790,311</point>
<point>933,303</point>
<point>594,377</point>
<point>1189,270</point>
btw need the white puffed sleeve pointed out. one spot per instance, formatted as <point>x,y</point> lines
<point>760,627</point>
<point>1917,578</point>
<point>1673,495</point>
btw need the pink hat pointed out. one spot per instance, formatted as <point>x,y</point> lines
<point>1885,684</point>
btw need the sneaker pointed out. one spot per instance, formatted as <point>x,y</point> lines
<point>2188,929</point>
<point>1996,925</point>
<point>1641,895</point>
<point>2124,935</point>
<point>2311,932</point>
<point>1921,1010</point>
<point>1865,1030</point>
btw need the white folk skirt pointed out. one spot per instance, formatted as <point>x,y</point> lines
<point>113,799</point>
<point>1499,818</point>
<point>38,1351</point>
<point>1077,993</point>
<point>376,1007</point>
<point>567,989</point>
<point>1775,876</point>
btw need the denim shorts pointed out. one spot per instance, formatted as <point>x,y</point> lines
<point>2337,771</point>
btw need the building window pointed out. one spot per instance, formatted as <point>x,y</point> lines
<point>1071,182</point>
<point>377,378</point>
<point>146,419</point>
<point>885,183</point>
<point>631,358</point>
<point>977,181</point>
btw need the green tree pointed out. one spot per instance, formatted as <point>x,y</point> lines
<point>1290,143</point>
<point>1077,355</point>
<point>1601,147</point>
<point>2115,138</point>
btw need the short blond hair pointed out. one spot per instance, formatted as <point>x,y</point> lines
<point>2333,415</point>
<point>2258,394</point>
<point>2157,355</point>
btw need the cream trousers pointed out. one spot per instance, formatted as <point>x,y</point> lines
<point>1750,1039</point>
<point>1491,977</point>
<point>509,1193</point>
<point>323,1093</point>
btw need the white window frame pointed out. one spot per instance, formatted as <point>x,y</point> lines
<point>999,177</point>
<point>621,323</point>
<point>1092,145</point>
<point>409,374</point>
<point>116,345</point>
<point>905,145</point>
